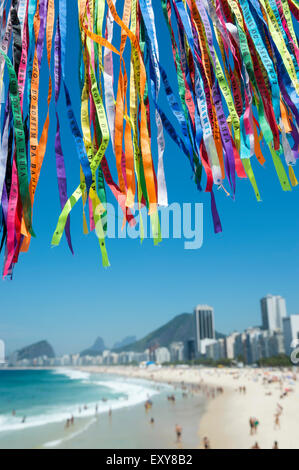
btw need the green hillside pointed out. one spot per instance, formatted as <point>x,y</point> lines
<point>181,328</point>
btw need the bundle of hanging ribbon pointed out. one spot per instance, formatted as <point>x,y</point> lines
<point>235,99</point>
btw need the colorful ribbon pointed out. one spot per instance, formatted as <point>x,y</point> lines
<point>236,64</point>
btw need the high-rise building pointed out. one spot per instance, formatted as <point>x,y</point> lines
<point>274,310</point>
<point>204,325</point>
<point>240,347</point>
<point>291,332</point>
<point>2,352</point>
<point>230,345</point>
<point>253,345</point>
<point>190,350</point>
<point>177,351</point>
<point>162,355</point>
<point>216,350</point>
<point>262,344</point>
<point>276,345</point>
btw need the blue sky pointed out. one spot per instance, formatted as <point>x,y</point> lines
<point>71,300</point>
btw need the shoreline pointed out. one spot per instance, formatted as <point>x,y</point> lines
<point>226,417</point>
<point>186,380</point>
<point>129,426</point>
<point>214,407</point>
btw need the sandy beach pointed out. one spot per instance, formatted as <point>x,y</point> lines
<point>108,412</point>
<point>269,393</point>
<point>131,428</point>
<point>214,403</point>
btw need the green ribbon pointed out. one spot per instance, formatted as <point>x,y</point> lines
<point>20,144</point>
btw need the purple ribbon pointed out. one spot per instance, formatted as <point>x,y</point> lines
<point>60,166</point>
<point>43,9</point>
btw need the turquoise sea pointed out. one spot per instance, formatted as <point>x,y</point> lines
<point>43,397</point>
<point>48,398</point>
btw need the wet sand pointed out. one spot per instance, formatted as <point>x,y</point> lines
<point>130,428</point>
<point>223,416</point>
<point>226,420</point>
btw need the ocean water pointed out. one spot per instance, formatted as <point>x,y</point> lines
<point>47,397</point>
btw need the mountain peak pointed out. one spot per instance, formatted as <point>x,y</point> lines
<point>179,329</point>
<point>125,342</point>
<point>40,349</point>
<point>97,348</point>
<point>99,344</point>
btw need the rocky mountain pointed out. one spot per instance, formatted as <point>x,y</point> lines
<point>43,348</point>
<point>97,348</point>
<point>125,342</point>
<point>181,328</point>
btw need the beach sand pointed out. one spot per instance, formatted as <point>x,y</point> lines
<point>130,428</point>
<point>226,418</point>
<point>213,407</point>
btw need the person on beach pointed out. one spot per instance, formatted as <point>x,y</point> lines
<point>279,409</point>
<point>178,430</point>
<point>251,424</point>
<point>72,421</point>
<point>67,424</point>
<point>256,446</point>
<point>256,425</point>
<point>24,420</point>
<point>277,421</point>
<point>275,446</point>
<point>206,443</point>
<point>110,413</point>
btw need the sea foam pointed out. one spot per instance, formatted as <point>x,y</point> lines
<point>120,393</point>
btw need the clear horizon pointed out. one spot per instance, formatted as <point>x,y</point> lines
<point>130,334</point>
